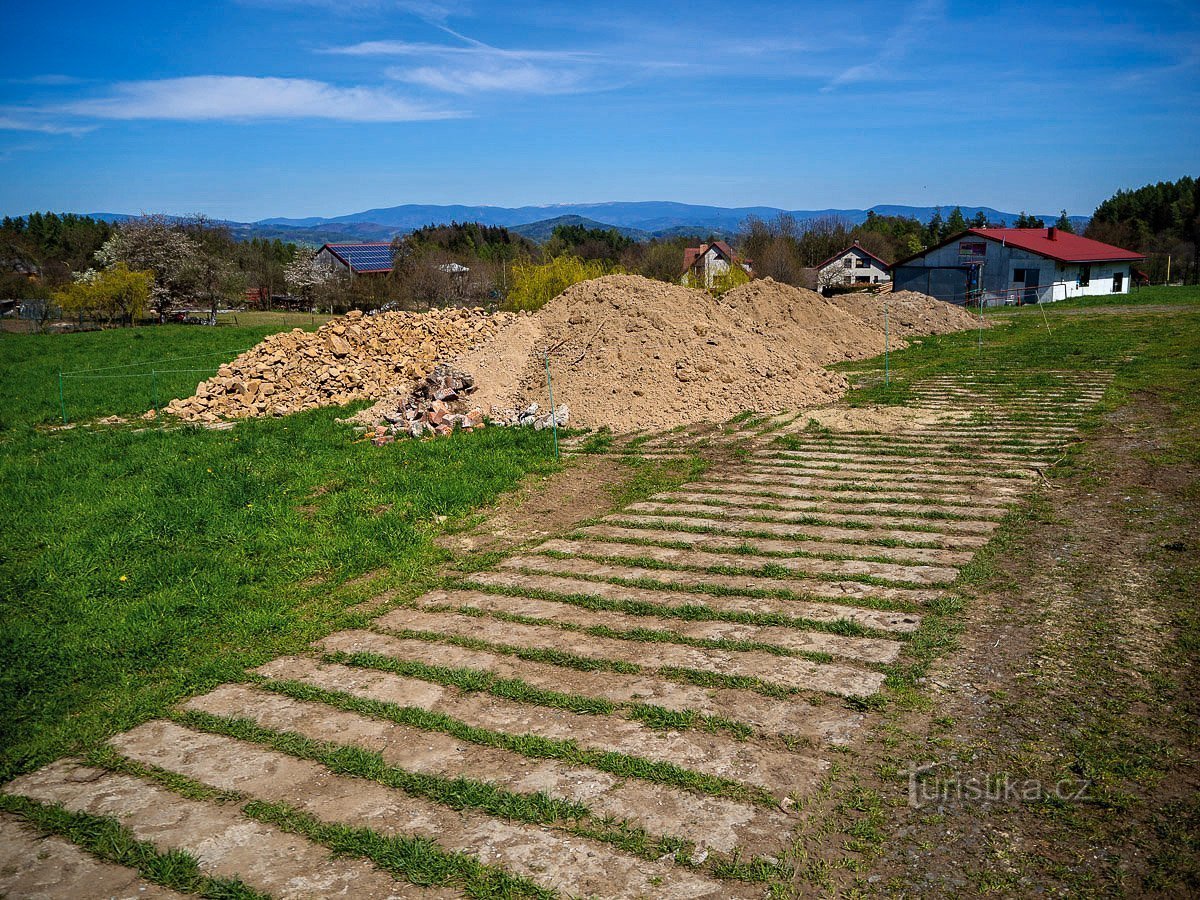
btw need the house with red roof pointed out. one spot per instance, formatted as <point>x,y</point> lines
<point>704,264</point>
<point>1016,265</point>
<point>854,265</point>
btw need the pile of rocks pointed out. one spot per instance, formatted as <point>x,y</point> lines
<point>436,406</point>
<point>354,357</point>
<point>531,416</point>
<point>440,404</point>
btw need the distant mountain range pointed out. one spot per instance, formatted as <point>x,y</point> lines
<point>640,220</point>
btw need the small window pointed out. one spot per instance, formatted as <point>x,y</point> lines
<point>863,264</point>
<point>848,262</point>
<point>1019,276</point>
<point>1085,276</point>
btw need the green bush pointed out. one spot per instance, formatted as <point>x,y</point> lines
<point>535,284</point>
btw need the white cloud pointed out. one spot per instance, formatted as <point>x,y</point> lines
<point>896,46</point>
<point>424,9</point>
<point>473,48</point>
<point>35,120</point>
<point>475,67</point>
<point>520,78</point>
<point>241,98</point>
<point>47,80</point>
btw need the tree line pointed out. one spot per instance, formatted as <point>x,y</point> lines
<point>155,265</point>
<point>1160,220</point>
<point>146,266</point>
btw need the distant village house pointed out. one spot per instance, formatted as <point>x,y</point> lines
<point>703,265</point>
<point>854,265</point>
<point>1017,265</point>
<point>362,258</point>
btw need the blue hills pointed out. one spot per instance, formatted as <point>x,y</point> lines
<point>640,219</point>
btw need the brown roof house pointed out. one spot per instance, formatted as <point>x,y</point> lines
<point>704,264</point>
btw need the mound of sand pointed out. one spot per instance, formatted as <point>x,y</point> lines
<point>628,352</point>
<point>909,313</point>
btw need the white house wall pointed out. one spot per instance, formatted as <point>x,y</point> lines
<point>837,273</point>
<point>1056,281</point>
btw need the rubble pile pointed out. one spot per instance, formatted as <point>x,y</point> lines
<point>437,405</point>
<point>441,403</point>
<point>622,351</point>
<point>910,313</point>
<point>354,357</point>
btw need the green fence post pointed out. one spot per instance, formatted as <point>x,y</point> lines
<point>553,414</point>
<point>887,371</point>
<point>62,403</point>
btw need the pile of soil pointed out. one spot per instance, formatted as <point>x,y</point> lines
<point>351,358</point>
<point>628,352</point>
<point>909,313</point>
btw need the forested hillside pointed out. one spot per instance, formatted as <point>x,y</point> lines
<point>1161,220</point>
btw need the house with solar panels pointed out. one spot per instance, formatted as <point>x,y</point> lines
<point>364,258</point>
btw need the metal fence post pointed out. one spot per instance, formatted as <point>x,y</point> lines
<point>553,414</point>
<point>62,402</point>
<point>887,372</point>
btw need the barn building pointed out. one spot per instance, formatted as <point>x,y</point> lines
<point>1016,265</point>
<point>364,258</point>
<point>854,265</point>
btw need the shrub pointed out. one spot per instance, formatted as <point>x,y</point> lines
<point>535,284</point>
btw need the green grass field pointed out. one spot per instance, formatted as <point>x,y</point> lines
<point>139,565</point>
<point>1155,350</point>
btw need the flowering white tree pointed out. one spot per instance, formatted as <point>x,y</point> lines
<point>307,277</point>
<point>156,244</point>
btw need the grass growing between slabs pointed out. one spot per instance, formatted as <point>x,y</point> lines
<point>1025,347</point>
<point>140,566</point>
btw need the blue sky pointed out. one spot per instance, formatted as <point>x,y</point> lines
<point>255,108</point>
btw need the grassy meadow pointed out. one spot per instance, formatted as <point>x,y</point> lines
<point>140,564</point>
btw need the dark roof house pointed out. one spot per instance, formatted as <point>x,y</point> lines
<point>363,258</point>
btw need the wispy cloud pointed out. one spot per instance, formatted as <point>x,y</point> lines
<point>243,98</point>
<point>472,67</point>
<point>37,121</point>
<point>47,80</point>
<point>473,48</point>
<point>509,78</point>
<point>430,10</point>
<point>897,45</point>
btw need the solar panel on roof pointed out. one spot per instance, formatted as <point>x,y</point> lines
<point>366,257</point>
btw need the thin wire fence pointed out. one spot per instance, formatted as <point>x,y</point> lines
<point>151,370</point>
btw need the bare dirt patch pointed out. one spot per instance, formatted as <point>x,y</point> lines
<point>909,313</point>
<point>886,419</point>
<point>544,506</point>
<point>1073,674</point>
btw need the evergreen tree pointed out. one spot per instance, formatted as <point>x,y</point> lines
<point>956,223</point>
<point>1064,224</point>
<point>933,231</point>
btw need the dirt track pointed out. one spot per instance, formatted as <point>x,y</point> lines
<point>692,665</point>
